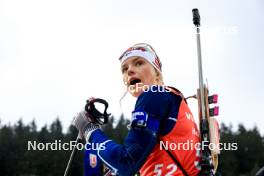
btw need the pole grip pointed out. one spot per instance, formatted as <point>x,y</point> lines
<point>196,17</point>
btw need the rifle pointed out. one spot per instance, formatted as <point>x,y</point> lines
<point>209,129</point>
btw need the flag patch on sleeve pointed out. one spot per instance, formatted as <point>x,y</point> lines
<point>139,119</point>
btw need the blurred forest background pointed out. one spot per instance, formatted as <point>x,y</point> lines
<point>15,159</point>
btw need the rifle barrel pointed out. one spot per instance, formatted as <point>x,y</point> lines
<point>196,22</point>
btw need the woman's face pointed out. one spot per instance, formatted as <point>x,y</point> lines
<point>138,74</point>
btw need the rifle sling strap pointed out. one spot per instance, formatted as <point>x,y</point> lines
<point>176,161</point>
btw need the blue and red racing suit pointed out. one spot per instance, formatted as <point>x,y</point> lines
<point>159,118</point>
<point>92,163</point>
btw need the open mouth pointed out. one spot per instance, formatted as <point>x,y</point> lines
<point>134,81</point>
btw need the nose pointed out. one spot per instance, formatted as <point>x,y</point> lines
<point>130,70</point>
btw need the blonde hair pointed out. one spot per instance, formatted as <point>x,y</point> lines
<point>160,77</point>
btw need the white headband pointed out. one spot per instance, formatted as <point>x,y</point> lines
<point>149,56</point>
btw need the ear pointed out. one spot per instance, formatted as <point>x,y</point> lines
<point>159,78</point>
<point>157,74</point>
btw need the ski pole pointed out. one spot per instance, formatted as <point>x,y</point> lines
<point>73,154</point>
<point>97,117</point>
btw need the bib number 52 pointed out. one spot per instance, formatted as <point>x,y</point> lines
<point>170,169</point>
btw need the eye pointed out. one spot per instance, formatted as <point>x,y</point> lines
<point>124,69</point>
<point>139,63</point>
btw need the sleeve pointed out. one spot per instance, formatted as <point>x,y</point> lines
<point>126,159</point>
<point>92,163</point>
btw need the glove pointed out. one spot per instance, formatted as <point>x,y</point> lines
<point>90,128</point>
<point>85,125</point>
